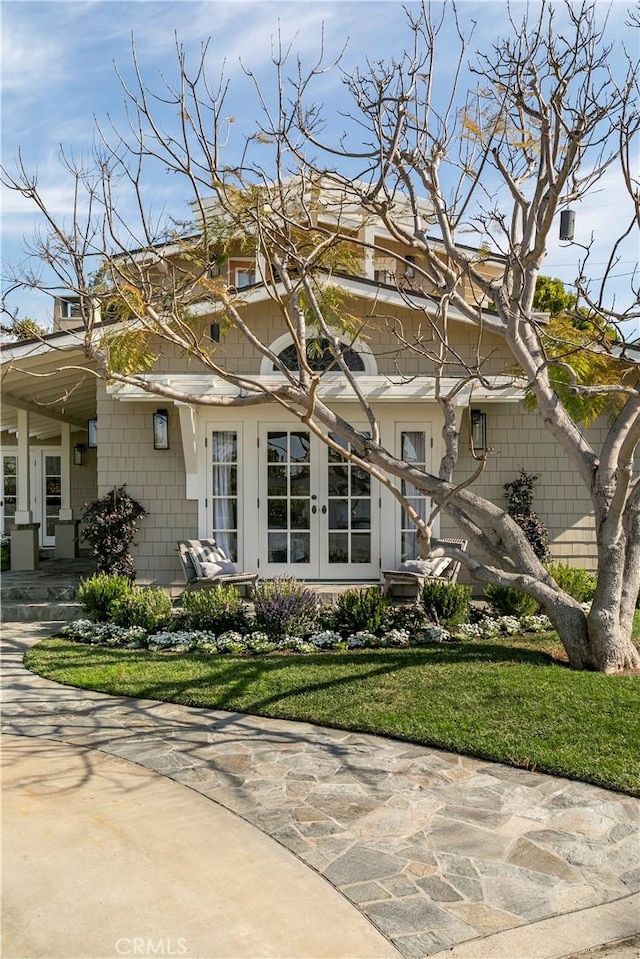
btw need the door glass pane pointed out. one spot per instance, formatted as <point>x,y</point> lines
<point>413,444</point>
<point>289,496</point>
<point>52,493</point>
<point>300,514</point>
<point>300,447</point>
<point>349,509</point>
<point>224,490</point>
<point>277,448</point>
<point>9,489</point>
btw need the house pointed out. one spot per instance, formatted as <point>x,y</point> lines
<point>256,477</point>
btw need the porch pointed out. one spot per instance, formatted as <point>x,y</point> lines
<point>50,593</point>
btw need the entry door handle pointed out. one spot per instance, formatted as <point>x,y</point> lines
<point>314,509</point>
<point>323,510</point>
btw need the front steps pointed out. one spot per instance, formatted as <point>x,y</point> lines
<point>39,603</point>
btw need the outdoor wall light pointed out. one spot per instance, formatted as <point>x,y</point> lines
<point>215,332</point>
<point>161,430</point>
<point>478,430</point>
<point>78,454</point>
<point>92,428</point>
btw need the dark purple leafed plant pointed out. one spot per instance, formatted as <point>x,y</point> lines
<point>285,607</point>
<point>109,526</point>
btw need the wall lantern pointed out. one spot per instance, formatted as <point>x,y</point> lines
<point>92,428</point>
<point>567,225</point>
<point>161,430</point>
<point>478,430</point>
<point>410,269</point>
<point>215,332</point>
<point>78,454</point>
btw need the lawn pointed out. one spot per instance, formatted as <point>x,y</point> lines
<point>510,700</point>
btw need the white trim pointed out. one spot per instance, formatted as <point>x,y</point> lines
<point>358,345</point>
<point>380,388</point>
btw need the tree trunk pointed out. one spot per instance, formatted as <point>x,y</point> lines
<point>570,623</point>
<point>593,640</point>
<point>611,646</point>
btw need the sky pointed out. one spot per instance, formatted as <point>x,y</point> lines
<point>58,77</point>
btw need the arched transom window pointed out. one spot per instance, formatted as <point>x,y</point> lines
<point>322,355</point>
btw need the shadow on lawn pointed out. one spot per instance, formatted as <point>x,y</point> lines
<point>224,681</point>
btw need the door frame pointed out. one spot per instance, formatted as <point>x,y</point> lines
<point>319,567</point>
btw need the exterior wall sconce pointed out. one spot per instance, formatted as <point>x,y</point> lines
<point>410,270</point>
<point>215,332</point>
<point>478,430</point>
<point>567,225</point>
<point>92,428</point>
<point>161,430</point>
<point>78,454</point>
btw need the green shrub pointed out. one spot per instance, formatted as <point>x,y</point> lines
<point>5,552</point>
<point>150,608</point>
<point>109,525</point>
<point>99,593</point>
<point>504,601</point>
<point>362,610</point>
<point>447,603</point>
<point>579,583</point>
<point>285,607</point>
<point>218,610</point>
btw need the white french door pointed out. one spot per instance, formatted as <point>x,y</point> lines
<point>318,514</point>
<point>9,500</point>
<point>46,492</point>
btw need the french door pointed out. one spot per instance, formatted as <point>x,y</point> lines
<point>9,500</point>
<point>46,491</point>
<point>318,513</point>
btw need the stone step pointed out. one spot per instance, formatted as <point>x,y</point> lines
<point>39,612</point>
<point>39,593</point>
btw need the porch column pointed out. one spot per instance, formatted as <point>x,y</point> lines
<point>66,512</point>
<point>23,504</point>
<point>368,237</point>
<point>24,538</point>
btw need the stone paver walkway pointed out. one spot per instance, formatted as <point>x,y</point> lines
<point>436,849</point>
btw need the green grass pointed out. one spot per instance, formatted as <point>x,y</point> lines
<point>510,701</point>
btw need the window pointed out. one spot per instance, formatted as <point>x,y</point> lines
<point>245,276</point>
<point>321,356</point>
<point>224,465</point>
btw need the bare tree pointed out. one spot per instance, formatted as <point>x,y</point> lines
<point>544,122</point>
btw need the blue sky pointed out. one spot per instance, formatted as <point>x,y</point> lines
<point>58,74</point>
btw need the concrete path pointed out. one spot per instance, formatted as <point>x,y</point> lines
<point>444,854</point>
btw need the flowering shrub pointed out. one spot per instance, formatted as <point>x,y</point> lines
<point>433,634</point>
<point>105,634</point>
<point>259,642</point>
<point>284,606</point>
<point>178,642</point>
<point>293,644</point>
<point>361,639</point>
<point>329,639</point>
<point>490,628</point>
<point>230,642</point>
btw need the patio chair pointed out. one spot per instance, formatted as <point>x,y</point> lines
<point>407,581</point>
<point>206,564</point>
